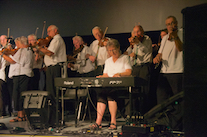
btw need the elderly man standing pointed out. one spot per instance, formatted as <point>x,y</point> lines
<point>171,55</point>
<point>171,74</point>
<point>37,64</point>
<point>99,54</point>
<point>55,56</point>
<point>8,84</point>
<point>141,57</point>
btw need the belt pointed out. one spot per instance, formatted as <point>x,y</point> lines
<point>59,63</point>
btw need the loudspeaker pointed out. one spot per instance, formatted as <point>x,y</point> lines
<point>166,112</point>
<point>195,70</point>
<point>39,107</point>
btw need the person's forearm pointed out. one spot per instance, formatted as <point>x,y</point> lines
<point>178,43</point>
<point>46,52</point>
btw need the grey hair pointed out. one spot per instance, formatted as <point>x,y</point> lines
<point>174,18</point>
<point>22,40</point>
<point>32,35</point>
<point>113,43</point>
<point>96,27</point>
<point>79,38</point>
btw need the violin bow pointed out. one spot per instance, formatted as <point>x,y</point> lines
<point>8,40</point>
<point>105,32</point>
<point>36,31</point>
<point>43,29</point>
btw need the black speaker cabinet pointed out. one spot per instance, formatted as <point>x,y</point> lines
<point>40,108</point>
<point>195,70</point>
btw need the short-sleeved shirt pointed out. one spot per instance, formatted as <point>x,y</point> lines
<point>57,46</point>
<point>24,63</point>
<point>82,64</point>
<point>172,59</point>
<point>102,52</point>
<point>121,64</point>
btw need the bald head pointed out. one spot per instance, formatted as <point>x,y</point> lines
<point>52,30</point>
<point>138,30</point>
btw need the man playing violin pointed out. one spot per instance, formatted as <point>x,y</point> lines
<point>2,83</point>
<point>99,54</point>
<point>142,57</point>
<point>8,84</point>
<point>171,55</point>
<point>83,66</point>
<point>5,42</point>
<point>55,56</point>
<point>37,64</point>
<point>21,71</point>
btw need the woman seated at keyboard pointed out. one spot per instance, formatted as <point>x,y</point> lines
<point>117,65</point>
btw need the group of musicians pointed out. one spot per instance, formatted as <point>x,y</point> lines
<point>103,58</point>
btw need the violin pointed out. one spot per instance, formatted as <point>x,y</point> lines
<point>72,58</point>
<point>44,42</point>
<point>101,42</point>
<point>9,51</point>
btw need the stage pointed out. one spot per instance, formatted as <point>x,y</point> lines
<point>82,129</point>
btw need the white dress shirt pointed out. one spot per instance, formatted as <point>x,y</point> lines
<point>172,59</point>
<point>82,65</point>
<point>102,52</point>
<point>24,63</point>
<point>57,46</point>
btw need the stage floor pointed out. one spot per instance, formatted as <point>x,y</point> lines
<point>69,129</point>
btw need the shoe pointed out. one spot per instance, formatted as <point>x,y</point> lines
<point>112,127</point>
<point>95,126</point>
<point>18,119</point>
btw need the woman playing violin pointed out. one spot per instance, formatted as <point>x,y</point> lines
<point>20,71</point>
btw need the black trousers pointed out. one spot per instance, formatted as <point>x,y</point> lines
<point>51,73</point>
<point>34,81</point>
<point>7,90</point>
<point>20,84</point>
<point>99,70</point>
<point>169,85</point>
<point>1,97</point>
<point>141,102</point>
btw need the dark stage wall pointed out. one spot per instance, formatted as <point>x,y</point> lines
<point>80,16</point>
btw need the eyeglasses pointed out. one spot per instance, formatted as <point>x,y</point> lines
<point>170,24</point>
<point>113,50</point>
<point>49,31</point>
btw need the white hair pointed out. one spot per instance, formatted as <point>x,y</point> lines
<point>22,40</point>
<point>32,35</point>
<point>96,27</point>
<point>79,38</point>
